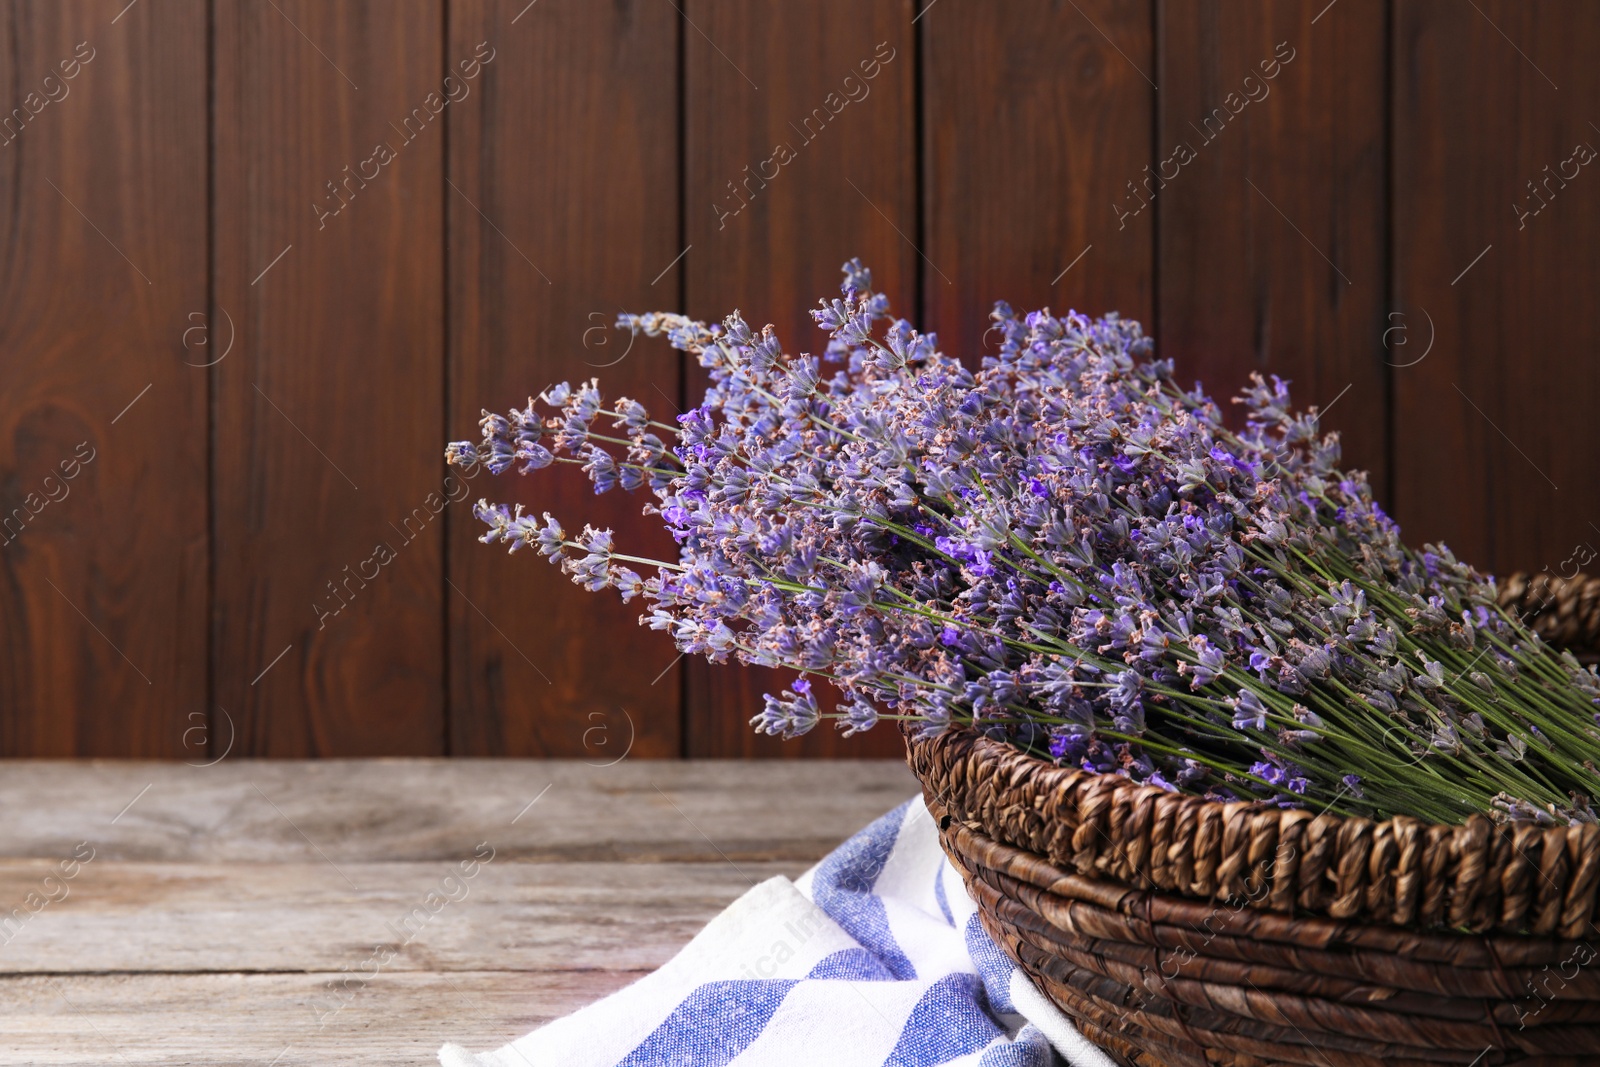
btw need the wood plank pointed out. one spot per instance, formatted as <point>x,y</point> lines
<point>1269,188</point>
<point>1500,414</point>
<point>563,209</point>
<point>1037,115</point>
<point>102,504</point>
<point>273,893</point>
<point>287,1020</point>
<point>796,161</point>
<point>502,914</point>
<point>337,811</point>
<point>329,253</point>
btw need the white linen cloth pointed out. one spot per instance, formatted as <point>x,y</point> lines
<point>872,958</point>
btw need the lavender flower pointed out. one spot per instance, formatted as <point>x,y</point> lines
<point>791,715</point>
<point>1067,549</point>
<point>1249,712</point>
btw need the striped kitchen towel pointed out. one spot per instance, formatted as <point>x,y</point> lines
<point>873,957</point>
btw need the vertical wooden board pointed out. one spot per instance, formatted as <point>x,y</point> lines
<point>1037,114</point>
<point>102,258</point>
<point>795,161</point>
<point>328,620</point>
<point>563,206</point>
<point>1269,187</point>
<point>1497,449</point>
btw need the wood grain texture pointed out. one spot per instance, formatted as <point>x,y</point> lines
<point>1269,188</point>
<point>326,477</point>
<point>562,209</point>
<point>1037,115</point>
<point>1496,448</point>
<point>277,911</point>
<point>511,915</point>
<point>364,811</point>
<point>214,581</point>
<point>795,161</point>
<point>287,1020</point>
<point>102,257</point>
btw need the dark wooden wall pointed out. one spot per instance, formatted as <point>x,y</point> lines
<point>259,260</point>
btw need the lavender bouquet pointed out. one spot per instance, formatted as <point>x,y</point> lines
<point>1068,551</point>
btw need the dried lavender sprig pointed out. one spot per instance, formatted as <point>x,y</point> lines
<point>1554,725</point>
<point>844,444</point>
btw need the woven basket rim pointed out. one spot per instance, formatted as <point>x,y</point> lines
<point>1178,931</point>
<point>1404,871</point>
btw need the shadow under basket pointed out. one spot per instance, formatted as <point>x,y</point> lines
<point>1182,932</point>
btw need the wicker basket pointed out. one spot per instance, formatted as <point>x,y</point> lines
<point>1181,932</point>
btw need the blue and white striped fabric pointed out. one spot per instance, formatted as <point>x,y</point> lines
<point>872,958</point>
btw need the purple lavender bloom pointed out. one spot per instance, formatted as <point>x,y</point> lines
<point>1269,772</point>
<point>792,714</point>
<point>627,583</point>
<point>1315,664</point>
<point>1099,536</point>
<point>1249,712</point>
<point>1211,662</point>
<point>859,715</point>
<point>1260,662</point>
<point>1068,745</point>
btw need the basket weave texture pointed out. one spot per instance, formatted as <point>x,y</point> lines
<point>1180,932</point>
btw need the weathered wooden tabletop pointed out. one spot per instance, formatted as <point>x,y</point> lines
<point>285,913</point>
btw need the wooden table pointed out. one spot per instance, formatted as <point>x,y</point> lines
<point>286,913</point>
